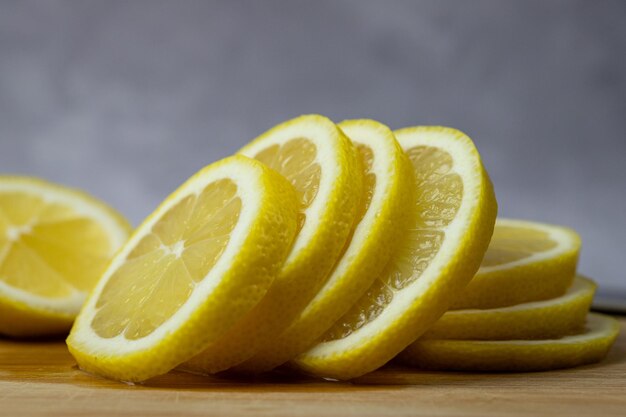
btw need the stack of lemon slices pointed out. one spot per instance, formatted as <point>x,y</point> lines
<point>327,248</point>
<point>525,310</point>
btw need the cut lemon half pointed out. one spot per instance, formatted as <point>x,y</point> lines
<point>526,261</point>
<point>535,320</point>
<point>384,208</point>
<point>590,346</point>
<point>55,242</point>
<point>321,163</point>
<point>194,267</point>
<point>451,222</point>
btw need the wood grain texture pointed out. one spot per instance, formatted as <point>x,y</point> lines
<point>40,378</point>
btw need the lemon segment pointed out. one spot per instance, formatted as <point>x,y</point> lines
<point>589,346</point>
<point>54,244</point>
<point>452,219</point>
<point>526,261</point>
<point>194,267</point>
<point>383,211</point>
<point>322,165</point>
<point>534,320</point>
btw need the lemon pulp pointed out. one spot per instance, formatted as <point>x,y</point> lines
<point>366,156</point>
<point>296,161</point>
<point>162,271</point>
<point>48,249</point>
<point>510,244</point>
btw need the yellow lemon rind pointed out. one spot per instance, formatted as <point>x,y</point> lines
<point>534,320</point>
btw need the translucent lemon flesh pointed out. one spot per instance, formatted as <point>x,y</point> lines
<point>162,271</point>
<point>296,161</point>
<point>48,249</point>
<point>510,244</point>
<point>366,156</point>
<point>438,198</point>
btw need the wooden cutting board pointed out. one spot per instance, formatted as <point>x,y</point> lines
<point>40,378</point>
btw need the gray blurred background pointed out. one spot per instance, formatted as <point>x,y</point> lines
<point>126,99</point>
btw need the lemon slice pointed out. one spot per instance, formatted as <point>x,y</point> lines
<point>535,320</point>
<point>385,204</point>
<point>54,244</point>
<point>451,223</point>
<point>526,261</point>
<point>199,263</point>
<point>589,346</point>
<point>322,165</point>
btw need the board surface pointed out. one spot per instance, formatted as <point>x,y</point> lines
<point>41,378</point>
